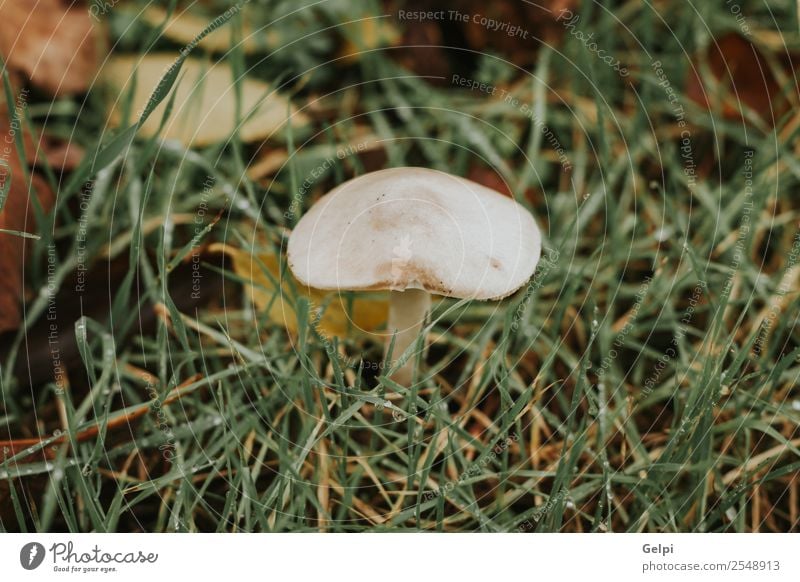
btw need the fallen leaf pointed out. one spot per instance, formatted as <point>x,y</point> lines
<point>365,34</point>
<point>742,80</point>
<point>273,160</point>
<point>267,164</point>
<point>515,29</point>
<point>60,155</point>
<point>489,178</point>
<point>366,313</point>
<point>51,42</point>
<point>423,53</point>
<point>204,110</point>
<point>17,215</point>
<point>183,27</point>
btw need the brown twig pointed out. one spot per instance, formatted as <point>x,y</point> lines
<point>15,447</point>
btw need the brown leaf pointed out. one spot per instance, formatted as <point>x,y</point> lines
<point>272,160</point>
<point>422,52</point>
<point>493,179</point>
<point>513,28</point>
<point>205,106</point>
<point>17,215</point>
<point>435,46</point>
<point>489,178</point>
<point>742,80</point>
<point>61,155</point>
<point>50,42</point>
<point>364,34</point>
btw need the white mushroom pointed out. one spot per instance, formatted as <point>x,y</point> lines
<point>414,232</point>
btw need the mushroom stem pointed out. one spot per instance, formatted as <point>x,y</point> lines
<point>407,312</point>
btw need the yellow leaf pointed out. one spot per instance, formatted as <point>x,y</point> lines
<point>183,27</point>
<point>367,34</point>
<point>204,111</point>
<point>274,160</point>
<point>365,314</point>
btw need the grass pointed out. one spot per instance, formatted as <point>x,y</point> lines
<point>645,380</point>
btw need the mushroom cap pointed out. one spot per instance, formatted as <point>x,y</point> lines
<point>416,228</point>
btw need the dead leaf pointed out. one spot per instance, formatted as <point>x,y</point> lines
<point>267,164</point>
<point>366,34</point>
<point>367,313</point>
<point>273,160</point>
<point>204,111</point>
<point>50,42</point>
<point>489,178</point>
<point>60,155</point>
<point>422,52</point>
<point>17,215</point>
<point>742,80</point>
<point>515,28</point>
<point>183,27</point>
